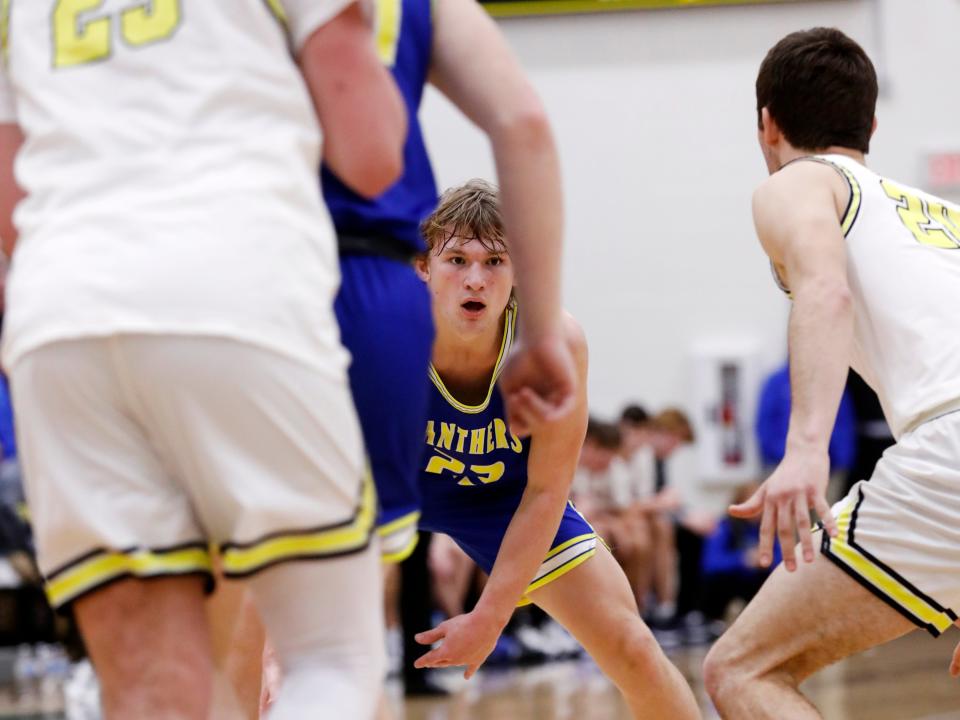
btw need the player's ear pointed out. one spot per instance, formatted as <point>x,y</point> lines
<point>873,128</point>
<point>421,264</point>
<point>769,130</point>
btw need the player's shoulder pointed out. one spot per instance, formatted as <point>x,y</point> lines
<point>799,180</point>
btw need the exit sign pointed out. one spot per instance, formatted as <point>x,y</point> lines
<point>943,171</point>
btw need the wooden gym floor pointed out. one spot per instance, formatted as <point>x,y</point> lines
<point>905,680</point>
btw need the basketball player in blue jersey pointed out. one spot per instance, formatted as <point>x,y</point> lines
<point>502,497</point>
<point>383,308</point>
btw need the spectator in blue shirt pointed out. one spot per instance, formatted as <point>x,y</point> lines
<point>730,564</point>
<point>8,441</point>
<point>773,418</point>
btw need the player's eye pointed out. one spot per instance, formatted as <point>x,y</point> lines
<point>496,260</point>
<point>457,260</point>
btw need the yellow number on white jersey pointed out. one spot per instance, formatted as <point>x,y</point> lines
<point>930,221</point>
<point>151,22</point>
<point>78,40</point>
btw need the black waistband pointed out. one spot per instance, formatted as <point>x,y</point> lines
<point>380,245</point>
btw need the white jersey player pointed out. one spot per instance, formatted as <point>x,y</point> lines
<point>873,267</point>
<point>176,368</point>
<point>898,331</point>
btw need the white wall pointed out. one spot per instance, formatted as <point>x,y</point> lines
<point>654,114</point>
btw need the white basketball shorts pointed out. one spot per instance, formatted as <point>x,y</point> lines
<point>900,532</point>
<point>143,454</point>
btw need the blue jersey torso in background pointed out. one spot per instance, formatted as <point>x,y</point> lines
<point>404,40</point>
<point>470,457</point>
<point>473,474</point>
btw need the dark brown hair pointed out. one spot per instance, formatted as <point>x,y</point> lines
<point>468,212</point>
<point>634,415</point>
<point>821,89</point>
<point>605,434</point>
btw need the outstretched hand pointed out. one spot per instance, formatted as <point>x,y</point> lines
<point>784,501</point>
<point>539,383</point>
<point>465,640</point>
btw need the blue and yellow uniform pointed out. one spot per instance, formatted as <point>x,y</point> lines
<point>383,308</point>
<point>473,474</point>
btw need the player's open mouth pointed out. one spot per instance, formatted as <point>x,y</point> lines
<point>473,306</point>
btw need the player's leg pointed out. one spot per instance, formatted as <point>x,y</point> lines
<point>148,641</point>
<point>325,622</point>
<point>797,624</point>
<point>606,622</point>
<point>383,310</point>
<point>238,640</point>
<point>381,304</point>
<point>892,567</point>
<point>273,452</point>
<point>452,572</point>
<point>105,512</point>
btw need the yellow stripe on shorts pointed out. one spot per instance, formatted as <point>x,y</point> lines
<point>277,9</point>
<point>101,567</point>
<point>398,538</point>
<point>547,574</point>
<point>5,30</point>
<point>245,559</point>
<point>881,580</point>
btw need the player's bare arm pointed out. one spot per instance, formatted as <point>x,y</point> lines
<point>473,66</point>
<point>11,138</point>
<point>797,220</point>
<point>469,639</point>
<point>359,107</point>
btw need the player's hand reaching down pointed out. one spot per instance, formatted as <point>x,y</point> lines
<point>784,501</point>
<point>539,383</point>
<point>465,640</point>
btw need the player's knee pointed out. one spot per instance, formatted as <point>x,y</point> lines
<point>726,674</point>
<point>638,649</point>
<point>718,673</point>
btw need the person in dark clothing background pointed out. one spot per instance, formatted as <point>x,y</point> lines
<point>730,563</point>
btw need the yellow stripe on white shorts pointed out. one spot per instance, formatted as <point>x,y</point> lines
<point>100,567</point>
<point>878,578</point>
<point>240,560</point>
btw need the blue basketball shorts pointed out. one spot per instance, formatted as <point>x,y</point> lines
<point>386,324</point>
<point>478,523</point>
